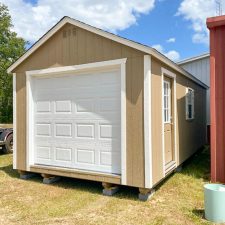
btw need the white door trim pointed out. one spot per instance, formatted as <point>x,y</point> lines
<point>77,69</point>
<point>147,121</point>
<point>165,72</point>
<point>14,123</point>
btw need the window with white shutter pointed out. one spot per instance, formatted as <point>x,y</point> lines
<point>190,104</point>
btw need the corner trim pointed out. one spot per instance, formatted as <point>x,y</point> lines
<point>14,124</point>
<point>147,121</point>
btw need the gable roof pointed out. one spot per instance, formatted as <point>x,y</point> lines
<point>192,59</point>
<point>144,48</point>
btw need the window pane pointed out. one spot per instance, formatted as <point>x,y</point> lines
<point>166,101</point>
<point>190,111</point>
<point>189,97</point>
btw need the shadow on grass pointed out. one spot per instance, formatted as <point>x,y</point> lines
<point>78,184</point>
<point>197,166</point>
<point>199,213</point>
<point>10,171</point>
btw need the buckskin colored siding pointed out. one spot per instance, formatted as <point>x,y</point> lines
<point>190,135</point>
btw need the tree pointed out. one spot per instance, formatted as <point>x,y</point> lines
<point>11,47</point>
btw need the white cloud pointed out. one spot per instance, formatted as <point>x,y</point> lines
<point>200,38</point>
<point>32,21</point>
<point>158,48</point>
<point>171,40</point>
<point>196,11</point>
<point>173,55</point>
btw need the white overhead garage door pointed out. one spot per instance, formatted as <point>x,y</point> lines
<point>77,121</point>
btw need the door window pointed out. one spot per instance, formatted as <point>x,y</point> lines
<point>166,101</point>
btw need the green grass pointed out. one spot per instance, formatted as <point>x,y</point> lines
<point>178,200</point>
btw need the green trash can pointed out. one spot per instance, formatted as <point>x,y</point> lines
<point>215,202</point>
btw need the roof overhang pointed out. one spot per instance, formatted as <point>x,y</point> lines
<point>124,41</point>
<point>215,21</point>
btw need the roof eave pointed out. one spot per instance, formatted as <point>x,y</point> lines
<point>132,44</point>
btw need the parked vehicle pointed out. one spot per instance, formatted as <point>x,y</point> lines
<point>6,140</point>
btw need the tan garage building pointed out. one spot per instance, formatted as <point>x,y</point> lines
<point>89,104</point>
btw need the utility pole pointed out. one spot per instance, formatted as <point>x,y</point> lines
<point>219,10</point>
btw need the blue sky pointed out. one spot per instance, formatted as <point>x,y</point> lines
<point>160,25</point>
<point>151,22</point>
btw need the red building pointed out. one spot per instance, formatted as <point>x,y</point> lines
<point>216,25</point>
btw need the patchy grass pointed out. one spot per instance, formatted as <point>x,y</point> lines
<point>178,200</point>
<point>5,125</point>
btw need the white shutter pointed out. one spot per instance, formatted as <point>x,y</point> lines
<point>186,104</point>
<point>193,103</point>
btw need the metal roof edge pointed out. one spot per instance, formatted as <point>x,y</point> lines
<point>191,59</point>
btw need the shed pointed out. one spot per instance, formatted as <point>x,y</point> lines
<point>216,26</point>
<point>92,105</point>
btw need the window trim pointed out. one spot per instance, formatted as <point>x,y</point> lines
<point>192,103</point>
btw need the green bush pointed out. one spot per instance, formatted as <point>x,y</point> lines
<point>11,48</point>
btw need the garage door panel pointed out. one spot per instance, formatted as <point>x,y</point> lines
<point>79,92</point>
<point>86,156</point>
<point>77,121</point>
<point>46,83</point>
<point>43,129</point>
<point>44,152</point>
<point>63,154</point>
<point>85,105</point>
<point>112,77</point>
<point>101,107</point>
<point>109,131</point>
<point>43,107</point>
<point>54,155</point>
<point>79,129</point>
<point>107,158</point>
<point>85,130</point>
<point>63,130</point>
<point>63,106</point>
<point>82,80</point>
<point>76,117</point>
<point>108,105</point>
<point>108,147</point>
